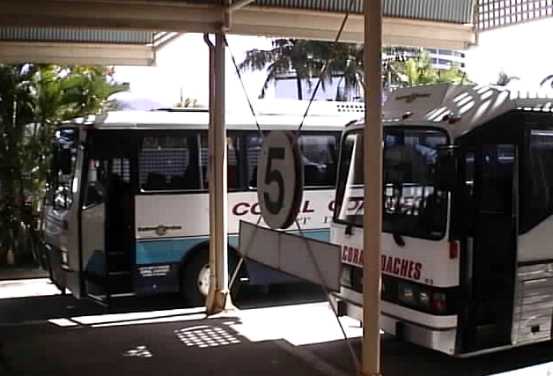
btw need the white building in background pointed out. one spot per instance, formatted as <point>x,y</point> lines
<point>445,59</point>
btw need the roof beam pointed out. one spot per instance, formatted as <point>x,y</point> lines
<point>113,14</point>
<point>324,26</point>
<point>249,20</point>
<point>75,53</point>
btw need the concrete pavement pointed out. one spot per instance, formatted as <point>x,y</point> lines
<point>55,335</point>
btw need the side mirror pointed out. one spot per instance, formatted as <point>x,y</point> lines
<point>64,160</point>
<point>446,168</point>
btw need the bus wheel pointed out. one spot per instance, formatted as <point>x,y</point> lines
<point>195,278</point>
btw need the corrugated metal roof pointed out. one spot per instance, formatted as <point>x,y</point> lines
<point>455,11</point>
<point>75,35</point>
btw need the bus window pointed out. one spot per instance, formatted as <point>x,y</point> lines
<point>253,148</point>
<point>64,157</point>
<point>412,205</point>
<point>496,186</point>
<point>233,151</point>
<point>168,163</point>
<point>319,155</point>
<point>319,160</point>
<point>537,203</point>
<point>350,193</point>
<point>95,185</point>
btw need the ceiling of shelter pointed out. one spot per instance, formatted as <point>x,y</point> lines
<point>127,31</point>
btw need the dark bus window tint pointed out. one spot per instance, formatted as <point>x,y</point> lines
<point>64,160</point>
<point>233,151</point>
<point>168,163</point>
<point>253,149</point>
<point>468,192</point>
<point>413,203</point>
<point>350,188</point>
<point>319,153</point>
<point>96,182</point>
<point>319,159</point>
<point>537,204</point>
<point>496,186</point>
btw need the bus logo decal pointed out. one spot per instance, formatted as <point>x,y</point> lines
<point>401,267</point>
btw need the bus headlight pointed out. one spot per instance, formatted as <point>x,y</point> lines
<point>424,299</point>
<point>406,293</point>
<point>345,277</point>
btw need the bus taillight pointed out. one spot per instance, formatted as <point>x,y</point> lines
<point>453,249</point>
<point>439,302</point>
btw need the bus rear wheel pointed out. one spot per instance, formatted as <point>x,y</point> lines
<point>195,278</point>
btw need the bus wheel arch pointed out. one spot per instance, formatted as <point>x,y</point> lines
<point>194,273</point>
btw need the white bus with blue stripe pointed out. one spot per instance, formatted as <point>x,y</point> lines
<point>127,208</point>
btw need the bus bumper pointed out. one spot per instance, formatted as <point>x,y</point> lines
<point>442,340</point>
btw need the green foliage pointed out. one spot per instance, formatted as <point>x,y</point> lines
<point>34,99</point>
<point>417,70</point>
<point>304,60</point>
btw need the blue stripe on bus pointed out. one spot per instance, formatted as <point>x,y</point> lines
<point>164,250</point>
<point>172,250</point>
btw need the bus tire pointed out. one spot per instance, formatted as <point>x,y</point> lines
<point>195,277</point>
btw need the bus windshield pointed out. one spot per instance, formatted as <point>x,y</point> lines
<point>411,203</point>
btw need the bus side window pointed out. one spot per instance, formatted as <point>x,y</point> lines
<point>468,189</point>
<point>537,200</point>
<point>233,149</point>
<point>64,158</point>
<point>253,149</point>
<point>94,193</point>
<point>319,159</point>
<point>496,178</point>
<point>168,163</point>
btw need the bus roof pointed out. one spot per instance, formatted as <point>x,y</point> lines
<point>284,114</point>
<point>457,108</point>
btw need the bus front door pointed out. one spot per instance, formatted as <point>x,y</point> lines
<point>491,204</point>
<point>106,228</point>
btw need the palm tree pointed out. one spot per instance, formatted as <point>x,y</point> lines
<point>305,59</point>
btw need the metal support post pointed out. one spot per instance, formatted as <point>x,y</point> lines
<point>372,222</point>
<point>218,298</point>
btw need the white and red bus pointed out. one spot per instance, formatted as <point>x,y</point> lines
<point>467,256</point>
<point>127,208</point>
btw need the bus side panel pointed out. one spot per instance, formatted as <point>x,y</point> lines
<point>168,226</point>
<point>158,263</point>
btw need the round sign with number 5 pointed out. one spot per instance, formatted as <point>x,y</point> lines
<point>279,179</point>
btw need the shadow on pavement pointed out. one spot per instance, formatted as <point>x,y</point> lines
<point>194,347</point>
<point>400,358</point>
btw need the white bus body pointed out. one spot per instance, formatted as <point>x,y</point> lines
<point>129,213</point>
<point>467,263</point>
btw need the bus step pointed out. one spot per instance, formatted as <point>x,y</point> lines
<point>119,273</point>
<point>99,299</point>
<point>116,253</point>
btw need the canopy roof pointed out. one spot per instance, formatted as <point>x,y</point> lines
<point>127,31</point>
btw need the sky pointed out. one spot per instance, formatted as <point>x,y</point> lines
<point>182,66</point>
<point>522,50</point>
